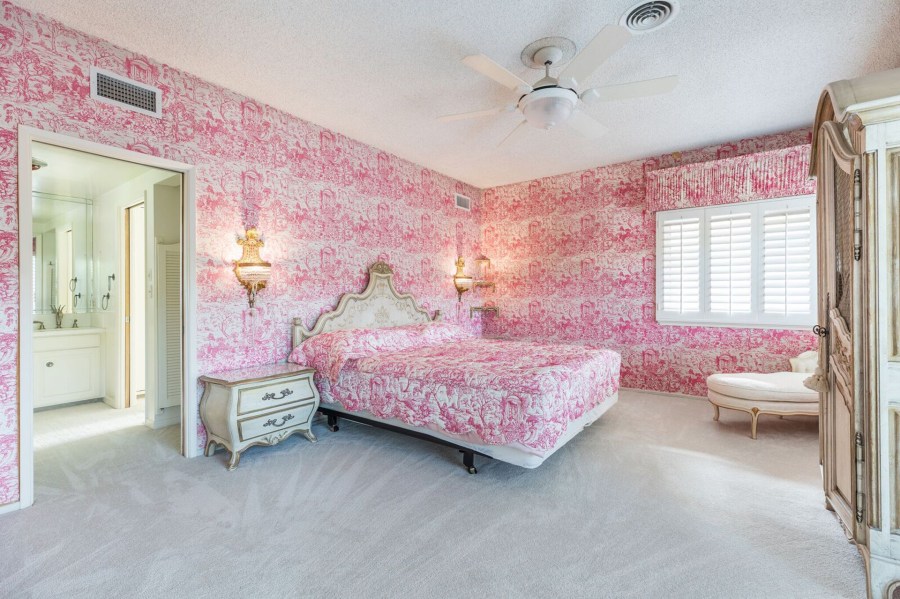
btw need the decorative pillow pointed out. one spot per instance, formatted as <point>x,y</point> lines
<point>805,362</point>
<point>328,352</point>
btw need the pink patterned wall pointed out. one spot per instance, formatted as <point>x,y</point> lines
<point>327,206</point>
<point>574,259</point>
<point>573,254</point>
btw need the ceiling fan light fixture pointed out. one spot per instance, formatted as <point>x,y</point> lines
<point>546,108</point>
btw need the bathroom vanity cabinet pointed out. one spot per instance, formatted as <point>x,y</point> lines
<point>68,366</point>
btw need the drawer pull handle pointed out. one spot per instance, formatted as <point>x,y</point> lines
<point>274,421</point>
<point>284,394</point>
<point>49,364</point>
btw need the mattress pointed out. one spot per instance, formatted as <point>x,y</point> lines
<point>470,390</point>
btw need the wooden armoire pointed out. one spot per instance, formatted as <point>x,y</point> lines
<point>856,160</point>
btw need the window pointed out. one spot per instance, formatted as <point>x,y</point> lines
<point>749,264</point>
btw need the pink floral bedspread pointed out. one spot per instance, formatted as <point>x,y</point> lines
<point>439,377</point>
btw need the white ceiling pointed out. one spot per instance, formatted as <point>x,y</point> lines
<point>74,174</point>
<point>381,71</point>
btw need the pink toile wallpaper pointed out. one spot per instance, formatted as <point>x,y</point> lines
<point>327,206</point>
<point>574,259</point>
<point>573,255</point>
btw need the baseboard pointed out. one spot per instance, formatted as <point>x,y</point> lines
<point>169,418</point>
<point>664,393</point>
<point>10,507</point>
<point>69,404</point>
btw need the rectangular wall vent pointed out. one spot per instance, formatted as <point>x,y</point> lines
<point>463,202</point>
<point>125,93</point>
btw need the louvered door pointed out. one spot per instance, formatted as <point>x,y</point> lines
<point>841,412</point>
<point>168,323</point>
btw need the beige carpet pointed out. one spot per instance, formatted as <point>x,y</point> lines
<point>655,500</point>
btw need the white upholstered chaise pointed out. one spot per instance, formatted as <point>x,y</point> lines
<point>777,393</point>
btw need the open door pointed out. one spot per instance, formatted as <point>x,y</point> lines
<point>843,408</point>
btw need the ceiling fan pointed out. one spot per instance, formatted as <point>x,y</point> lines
<point>551,102</point>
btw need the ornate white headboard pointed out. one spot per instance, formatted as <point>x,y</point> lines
<point>379,305</point>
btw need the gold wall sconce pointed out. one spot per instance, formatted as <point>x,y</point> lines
<point>251,270</point>
<point>484,263</point>
<point>461,280</point>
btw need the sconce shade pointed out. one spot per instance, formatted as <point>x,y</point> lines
<point>251,270</point>
<point>461,280</point>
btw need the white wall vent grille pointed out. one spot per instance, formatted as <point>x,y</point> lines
<point>120,91</point>
<point>463,203</point>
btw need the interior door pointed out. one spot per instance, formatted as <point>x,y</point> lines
<point>840,254</point>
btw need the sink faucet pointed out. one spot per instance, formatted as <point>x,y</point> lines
<point>75,324</point>
<point>40,324</point>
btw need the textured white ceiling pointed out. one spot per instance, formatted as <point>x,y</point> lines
<point>381,71</point>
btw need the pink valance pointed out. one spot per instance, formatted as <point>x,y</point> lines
<point>760,176</point>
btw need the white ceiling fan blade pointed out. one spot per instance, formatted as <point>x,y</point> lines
<point>586,125</point>
<point>476,114</point>
<point>489,68</point>
<point>518,128</point>
<point>625,91</point>
<point>604,45</point>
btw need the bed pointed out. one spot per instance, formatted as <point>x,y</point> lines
<point>382,360</point>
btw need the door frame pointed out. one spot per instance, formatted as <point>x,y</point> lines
<point>189,415</point>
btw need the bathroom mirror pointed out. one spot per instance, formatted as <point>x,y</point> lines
<point>62,250</point>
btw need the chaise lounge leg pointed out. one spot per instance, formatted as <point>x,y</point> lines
<point>754,417</point>
<point>716,412</point>
<point>333,423</point>
<point>469,461</point>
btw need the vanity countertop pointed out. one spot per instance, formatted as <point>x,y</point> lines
<point>69,331</point>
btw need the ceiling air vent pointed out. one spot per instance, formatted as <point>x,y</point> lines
<point>463,203</point>
<point>125,93</point>
<point>649,16</point>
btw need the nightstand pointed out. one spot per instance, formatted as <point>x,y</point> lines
<point>261,405</point>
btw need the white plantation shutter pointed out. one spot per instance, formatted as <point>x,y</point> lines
<point>787,261</point>
<point>729,255</point>
<point>748,264</point>
<point>681,265</point>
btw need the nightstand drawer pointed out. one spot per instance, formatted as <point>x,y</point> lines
<point>275,421</point>
<point>272,395</point>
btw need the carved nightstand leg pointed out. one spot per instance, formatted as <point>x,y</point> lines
<point>309,435</point>
<point>235,459</point>
<point>211,447</point>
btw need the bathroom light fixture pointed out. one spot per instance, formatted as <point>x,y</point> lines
<point>251,270</point>
<point>461,280</point>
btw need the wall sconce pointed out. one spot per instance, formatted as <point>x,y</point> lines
<point>484,263</point>
<point>251,270</point>
<point>461,280</point>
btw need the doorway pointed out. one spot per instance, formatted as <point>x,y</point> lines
<point>95,302</point>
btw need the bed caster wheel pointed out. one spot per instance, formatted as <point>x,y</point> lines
<point>472,470</point>
<point>333,423</point>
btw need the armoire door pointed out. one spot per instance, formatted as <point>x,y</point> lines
<point>840,252</point>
